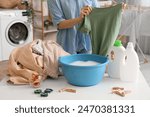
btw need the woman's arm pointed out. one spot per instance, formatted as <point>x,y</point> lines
<point>71,22</point>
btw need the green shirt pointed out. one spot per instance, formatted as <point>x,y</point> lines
<point>103,25</point>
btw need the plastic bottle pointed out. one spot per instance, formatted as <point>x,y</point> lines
<point>130,66</point>
<point>116,57</point>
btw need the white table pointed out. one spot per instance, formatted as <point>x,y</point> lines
<point>101,91</point>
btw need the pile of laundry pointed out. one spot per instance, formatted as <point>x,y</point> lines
<point>33,62</point>
<point>10,4</point>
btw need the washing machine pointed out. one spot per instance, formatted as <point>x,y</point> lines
<point>15,31</point>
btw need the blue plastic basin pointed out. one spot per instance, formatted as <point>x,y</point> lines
<point>83,75</point>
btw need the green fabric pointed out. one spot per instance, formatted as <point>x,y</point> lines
<point>103,25</point>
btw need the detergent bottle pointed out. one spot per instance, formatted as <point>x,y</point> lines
<point>116,57</point>
<point>130,66</point>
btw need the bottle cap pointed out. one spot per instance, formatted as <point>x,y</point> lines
<point>118,43</point>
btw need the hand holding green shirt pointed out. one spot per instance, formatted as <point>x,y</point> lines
<point>103,25</point>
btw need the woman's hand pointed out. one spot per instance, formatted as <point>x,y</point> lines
<point>71,22</point>
<point>85,11</point>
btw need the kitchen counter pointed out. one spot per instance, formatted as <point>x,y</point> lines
<point>102,91</point>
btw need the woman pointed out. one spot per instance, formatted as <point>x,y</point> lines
<point>67,15</point>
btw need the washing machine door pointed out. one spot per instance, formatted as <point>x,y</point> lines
<point>17,33</point>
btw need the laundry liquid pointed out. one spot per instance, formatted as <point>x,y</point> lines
<point>130,67</point>
<point>116,57</point>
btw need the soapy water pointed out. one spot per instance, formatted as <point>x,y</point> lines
<point>84,63</point>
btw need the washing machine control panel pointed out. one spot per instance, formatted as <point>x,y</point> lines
<point>7,14</point>
<point>27,13</point>
<point>13,13</point>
